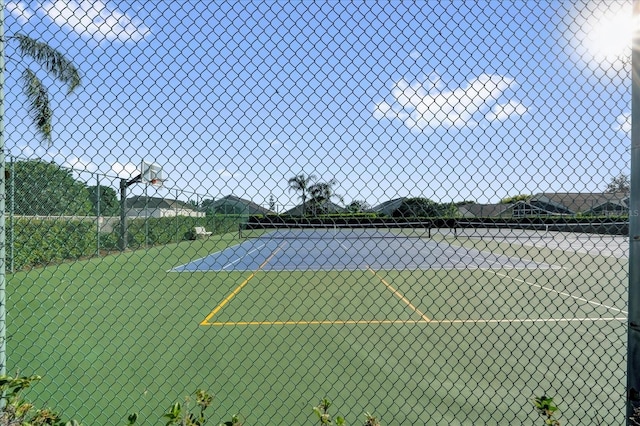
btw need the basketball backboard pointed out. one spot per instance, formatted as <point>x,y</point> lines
<point>151,173</point>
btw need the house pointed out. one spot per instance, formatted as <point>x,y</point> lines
<point>143,207</point>
<point>309,209</point>
<point>231,204</point>
<point>485,210</point>
<point>554,204</point>
<point>388,207</point>
<point>582,202</point>
<point>572,203</point>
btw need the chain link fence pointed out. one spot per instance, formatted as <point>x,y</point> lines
<point>417,210</point>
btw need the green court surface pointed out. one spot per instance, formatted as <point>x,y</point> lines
<point>412,346</point>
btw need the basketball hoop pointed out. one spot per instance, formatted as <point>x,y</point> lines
<point>151,174</point>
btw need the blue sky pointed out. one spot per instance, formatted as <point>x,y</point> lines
<point>445,100</point>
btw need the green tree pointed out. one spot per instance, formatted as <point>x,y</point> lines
<point>42,188</point>
<point>301,183</point>
<point>358,206</point>
<point>55,64</point>
<point>321,194</point>
<point>207,205</point>
<point>619,184</point>
<point>423,207</point>
<point>109,205</point>
<point>515,198</point>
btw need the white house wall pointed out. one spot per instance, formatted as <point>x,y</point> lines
<point>157,213</point>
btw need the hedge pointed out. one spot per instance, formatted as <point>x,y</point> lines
<point>41,242</point>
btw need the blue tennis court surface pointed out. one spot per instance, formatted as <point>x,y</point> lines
<point>330,252</point>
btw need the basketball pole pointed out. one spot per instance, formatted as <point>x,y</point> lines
<point>124,184</point>
<point>148,175</point>
<point>633,338</point>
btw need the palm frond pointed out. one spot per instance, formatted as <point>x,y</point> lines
<point>51,60</point>
<point>39,106</point>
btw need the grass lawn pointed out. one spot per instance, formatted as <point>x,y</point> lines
<point>124,334</point>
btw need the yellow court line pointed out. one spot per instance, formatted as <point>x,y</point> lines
<point>400,296</point>
<point>237,290</point>
<point>413,322</point>
<point>319,322</point>
<point>424,319</point>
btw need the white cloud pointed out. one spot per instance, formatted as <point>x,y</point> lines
<point>624,122</point>
<point>383,110</point>
<point>502,112</point>
<point>276,144</point>
<point>95,19</point>
<point>225,173</point>
<point>80,165</point>
<point>20,11</point>
<point>24,150</point>
<point>125,171</point>
<point>427,103</point>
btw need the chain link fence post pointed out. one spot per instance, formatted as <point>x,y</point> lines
<point>633,351</point>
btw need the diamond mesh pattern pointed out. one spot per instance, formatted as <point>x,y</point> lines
<point>493,136</point>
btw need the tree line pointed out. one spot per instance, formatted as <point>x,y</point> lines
<point>38,188</point>
<point>316,197</point>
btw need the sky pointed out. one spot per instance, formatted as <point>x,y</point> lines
<point>452,101</point>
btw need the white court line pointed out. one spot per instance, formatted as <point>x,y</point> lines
<point>212,254</point>
<point>243,256</point>
<point>197,260</point>
<point>530,260</point>
<point>561,293</point>
<point>522,321</point>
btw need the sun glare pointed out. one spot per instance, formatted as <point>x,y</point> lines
<point>610,34</point>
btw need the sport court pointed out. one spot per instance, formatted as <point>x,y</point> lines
<point>392,324</point>
<point>355,304</point>
<point>350,250</point>
<point>509,276</point>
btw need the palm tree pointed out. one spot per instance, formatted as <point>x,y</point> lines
<point>301,184</point>
<point>40,110</point>
<point>322,193</point>
<point>56,65</point>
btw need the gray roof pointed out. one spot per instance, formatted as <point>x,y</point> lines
<point>247,207</point>
<point>578,202</point>
<point>388,207</point>
<point>329,206</point>
<point>483,210</point>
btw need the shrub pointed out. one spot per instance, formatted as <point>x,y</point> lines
<point>16,411</point>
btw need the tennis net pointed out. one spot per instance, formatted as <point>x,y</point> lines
<point>425,229</point>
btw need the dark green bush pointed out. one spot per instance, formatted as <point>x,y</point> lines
<point>40,242</point>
